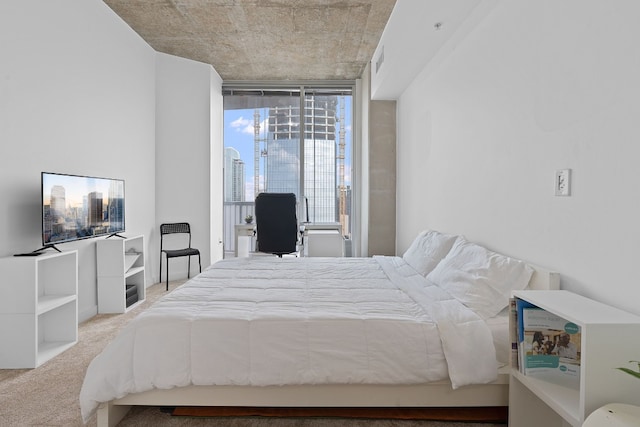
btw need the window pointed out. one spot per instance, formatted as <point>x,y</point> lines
<point>289,140</point>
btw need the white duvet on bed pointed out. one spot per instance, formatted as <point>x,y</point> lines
<point>267,321</point>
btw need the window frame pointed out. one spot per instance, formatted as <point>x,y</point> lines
<point>302,89</point>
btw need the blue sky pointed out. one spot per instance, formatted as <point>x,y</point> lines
<point>239,134</point>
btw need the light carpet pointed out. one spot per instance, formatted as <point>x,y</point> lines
<point>48,395</point>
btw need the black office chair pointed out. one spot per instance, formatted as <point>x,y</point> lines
<point>177,228</point>
<point>276,223</point>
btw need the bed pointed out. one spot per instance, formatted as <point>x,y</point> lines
<point>426,329</point>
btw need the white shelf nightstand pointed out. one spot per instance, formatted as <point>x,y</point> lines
<point>609,340</point>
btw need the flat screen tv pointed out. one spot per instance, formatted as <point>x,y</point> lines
<point>80,207</point>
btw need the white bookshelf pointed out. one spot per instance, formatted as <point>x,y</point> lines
<point>38,308</point>
<point>120,264</point>
<point>609,339</point>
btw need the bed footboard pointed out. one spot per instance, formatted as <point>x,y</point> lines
<point>438,394</point>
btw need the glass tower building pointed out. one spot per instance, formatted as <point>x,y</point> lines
<point>282,170</point>
<point>233,176</point>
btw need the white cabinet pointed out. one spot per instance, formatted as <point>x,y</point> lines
<point>323,240</point>
<point>121,281</point>
<point>38,308</point>
<point>244,239</point>
<point>609,339</point>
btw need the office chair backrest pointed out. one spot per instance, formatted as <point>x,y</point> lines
<point>276,223</point>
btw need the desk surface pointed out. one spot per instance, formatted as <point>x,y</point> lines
<point>245,226</point>
<point>323,226</point>
<point>316,232</point>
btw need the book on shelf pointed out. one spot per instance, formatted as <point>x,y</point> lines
<point>550,345</point>
<point>513,332</point>
<point>520,305</point>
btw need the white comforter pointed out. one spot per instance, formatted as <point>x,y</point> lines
<point>267,321</point>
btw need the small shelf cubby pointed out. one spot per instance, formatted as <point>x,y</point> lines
<point>609,340</point>
<point>121,274</point>
<point>38,308</point>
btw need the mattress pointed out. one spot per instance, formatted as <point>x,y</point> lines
<point>267,321</point>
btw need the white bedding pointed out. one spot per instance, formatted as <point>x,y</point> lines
<point>269,321</point>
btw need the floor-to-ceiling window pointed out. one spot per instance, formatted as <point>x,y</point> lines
<point>295,139</point>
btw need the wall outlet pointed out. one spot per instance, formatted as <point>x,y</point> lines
<point>563,182</point>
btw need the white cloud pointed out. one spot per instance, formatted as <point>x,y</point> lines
<point>240,122</point>
<point>243,125</point>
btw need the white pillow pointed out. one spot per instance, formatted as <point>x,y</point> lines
<point>427,250</point>
<point>479,278</point>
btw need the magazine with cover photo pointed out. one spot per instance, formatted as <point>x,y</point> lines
<point>551,344</point>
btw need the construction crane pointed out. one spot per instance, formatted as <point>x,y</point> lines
<point>256,152</point>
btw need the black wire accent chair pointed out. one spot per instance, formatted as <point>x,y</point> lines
<point>276,223</point>
<point>177,228</point>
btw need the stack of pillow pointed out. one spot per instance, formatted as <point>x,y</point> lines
<point>477,277</point>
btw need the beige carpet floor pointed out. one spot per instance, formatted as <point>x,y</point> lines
<point>48,395</point>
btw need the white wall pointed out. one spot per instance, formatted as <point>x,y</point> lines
<point>188,127</point>
<point>410,39</point>
<point>78,92</point>
<point>77,95</point>
<point>537,86</point>
<point>216,166</point>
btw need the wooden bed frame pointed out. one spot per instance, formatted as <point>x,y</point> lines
<point>434,394</point>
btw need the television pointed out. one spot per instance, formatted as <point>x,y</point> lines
<point>78,207</point>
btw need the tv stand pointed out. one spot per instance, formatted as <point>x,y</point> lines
<point>121,274</point>
<point>45,247</point>
<point>39,251</point>
<point>38,308</point>
<point>115,235</point>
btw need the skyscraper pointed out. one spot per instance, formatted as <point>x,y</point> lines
<point>53,219</point>
<point>95,209</point>
<point>237,185</point>
<point>58,201</point>
<point>283,152</point>
<point>233,176</point>
<point>115,208</point>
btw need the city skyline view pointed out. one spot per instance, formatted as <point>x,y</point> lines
<point>76,187</point>
<point>240,134</point>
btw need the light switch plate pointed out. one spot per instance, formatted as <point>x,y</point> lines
<point>563,182</point>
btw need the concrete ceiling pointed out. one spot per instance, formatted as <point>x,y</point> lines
<point>263,39</point>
